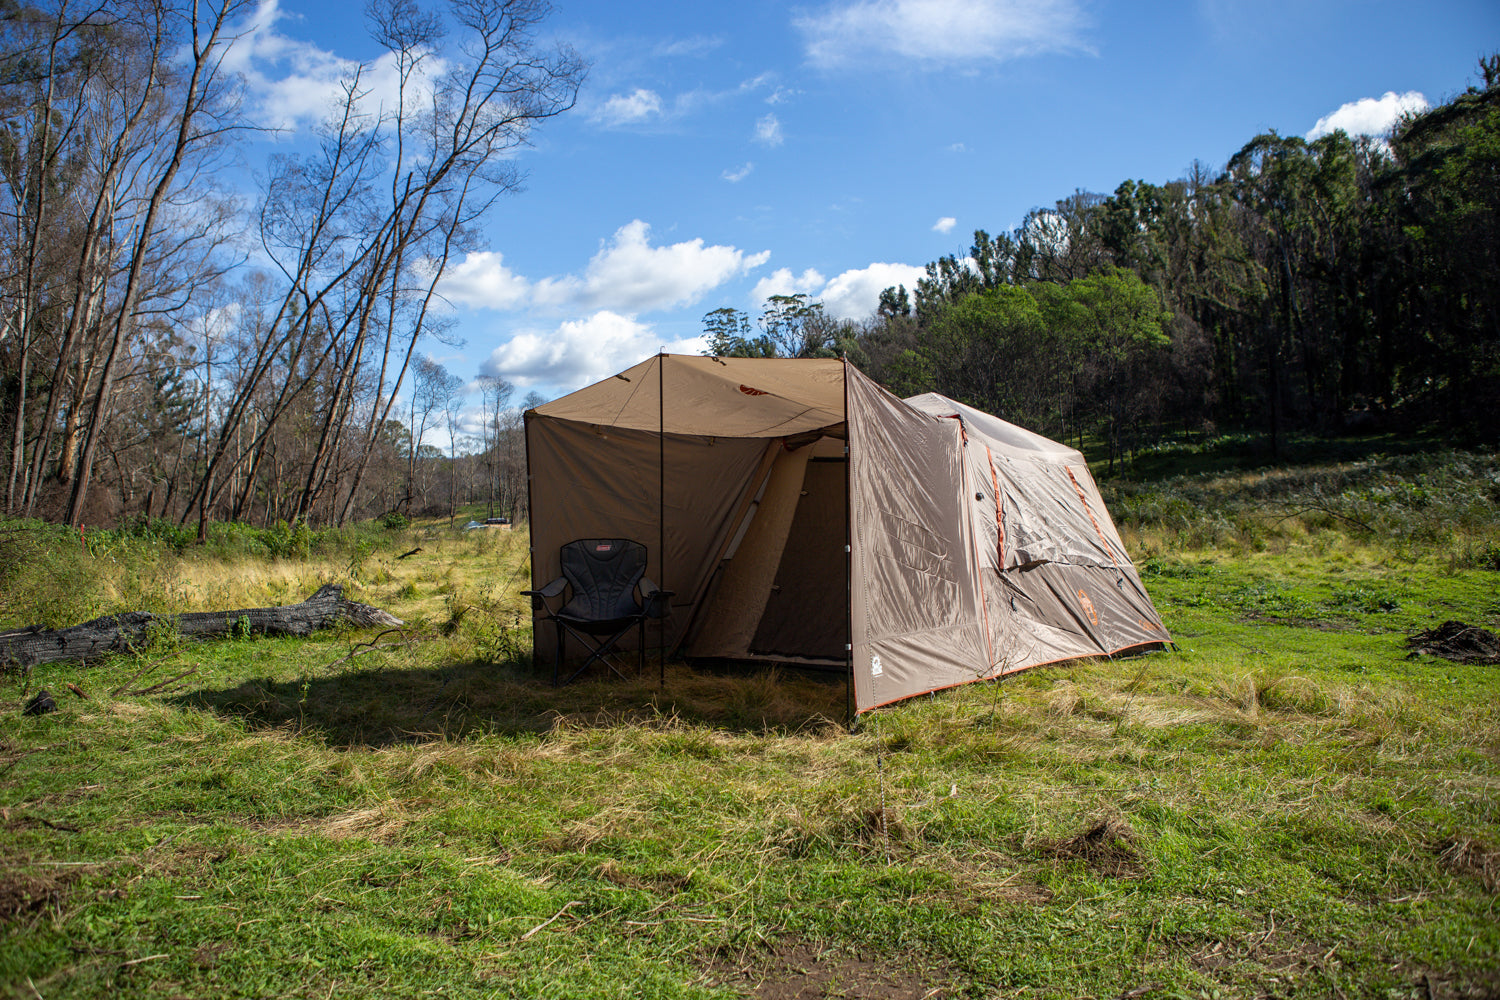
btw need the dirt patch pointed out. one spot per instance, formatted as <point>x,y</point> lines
<point>207,956</point>
<point>800,971</point>
<point>26,895</point>
<point>1470,857</point>
<point>1456,641</point>
<point>1107,846</point>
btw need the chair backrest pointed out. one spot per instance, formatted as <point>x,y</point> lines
<point>603,573</point>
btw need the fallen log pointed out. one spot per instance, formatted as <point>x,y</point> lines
<point>119,633</point>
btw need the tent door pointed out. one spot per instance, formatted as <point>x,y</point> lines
<point>806,613</point>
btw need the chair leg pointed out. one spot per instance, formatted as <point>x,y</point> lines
<point>557,660</point>
<point>603,651</point>
<point>640,663</point>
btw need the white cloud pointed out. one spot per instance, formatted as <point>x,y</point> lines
<point>781,95</point>
<point>483,281</point>
<point>580,351</point>
<point>1369,115</point>
<point>630,276</point>
<point>738,173</point>
<point>629,109</point>
<point>855,294</point>
<point>940,32</point>
<point>698,45</point>
<point>292,83</point>
<point>783,282</point>
<point>958,147</point>
<point>945,224</point>
<point>768,131</point>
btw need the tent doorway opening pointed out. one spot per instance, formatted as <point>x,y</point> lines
<point>781,589</point>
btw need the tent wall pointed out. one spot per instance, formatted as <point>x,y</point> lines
<point>914,600</point>
<point>588,481</point>
<point>1053,570</point>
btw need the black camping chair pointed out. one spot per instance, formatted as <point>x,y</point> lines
<point>605,575</point>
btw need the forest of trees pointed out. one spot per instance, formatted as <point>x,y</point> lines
<point>145,371</point>
<point>170,349</point>
<point>1320,286</point>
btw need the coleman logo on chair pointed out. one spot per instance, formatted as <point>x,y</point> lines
<point>603,547</point>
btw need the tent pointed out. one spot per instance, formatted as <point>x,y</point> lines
<point>802,514</point>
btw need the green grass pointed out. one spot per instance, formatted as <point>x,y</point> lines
<point>1283,806</point>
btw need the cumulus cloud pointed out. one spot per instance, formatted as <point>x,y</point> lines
<point>855,294</point>
<point>768,131</point>
<point>1372,116</point>
<point>629,275</point>
<point>940,32</point>
<point>945,224</point>
<point>738,173</point>
<point>783,282</point>
<point>483,281</point>
<point>628,109</point>
<point>293,83</point>
<point>580,351</point>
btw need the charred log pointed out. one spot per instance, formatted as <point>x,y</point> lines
<point>120,633</point>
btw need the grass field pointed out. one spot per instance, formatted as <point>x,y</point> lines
<point>1286,805</point>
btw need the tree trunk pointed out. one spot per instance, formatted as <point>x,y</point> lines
<point>118,633</point>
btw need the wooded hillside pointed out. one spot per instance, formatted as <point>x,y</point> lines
<point>1328,286</point>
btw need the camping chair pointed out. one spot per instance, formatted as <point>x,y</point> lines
<point>605,575</point>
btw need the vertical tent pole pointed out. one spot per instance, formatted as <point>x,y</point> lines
<point>526,419</point>
<point>848,562</point>
<point>661,515</point>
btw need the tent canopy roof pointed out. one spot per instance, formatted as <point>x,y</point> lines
<point>1001,435</point>
<point>713,397</point>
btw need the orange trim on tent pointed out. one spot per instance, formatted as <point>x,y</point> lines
<point>999,513</point>
<point>1092,519</point>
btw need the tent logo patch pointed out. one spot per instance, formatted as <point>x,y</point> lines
<point>1088,606</point>
<point>875,667</point>
<point>752,392</point>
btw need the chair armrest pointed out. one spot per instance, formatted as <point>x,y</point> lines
<point>655,602</point>
<point>539,597</point>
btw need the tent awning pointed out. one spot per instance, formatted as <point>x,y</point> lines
<point>713,397</point>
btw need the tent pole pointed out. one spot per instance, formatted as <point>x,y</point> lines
<point>848,566</point>
<point>661,514</point>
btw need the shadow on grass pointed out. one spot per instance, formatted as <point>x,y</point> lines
<point>383,706</point>
<point>1252,452</point>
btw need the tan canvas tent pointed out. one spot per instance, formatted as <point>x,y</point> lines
<point>802,514</point>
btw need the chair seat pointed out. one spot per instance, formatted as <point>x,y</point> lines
<point>597,626</point>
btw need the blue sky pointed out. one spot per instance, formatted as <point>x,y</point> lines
<point>721,152</point>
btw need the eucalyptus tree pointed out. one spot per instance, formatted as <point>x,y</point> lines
<point>363,231</point>
<point>186,47</point>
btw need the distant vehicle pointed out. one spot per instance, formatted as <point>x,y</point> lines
<point>489,522</point>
